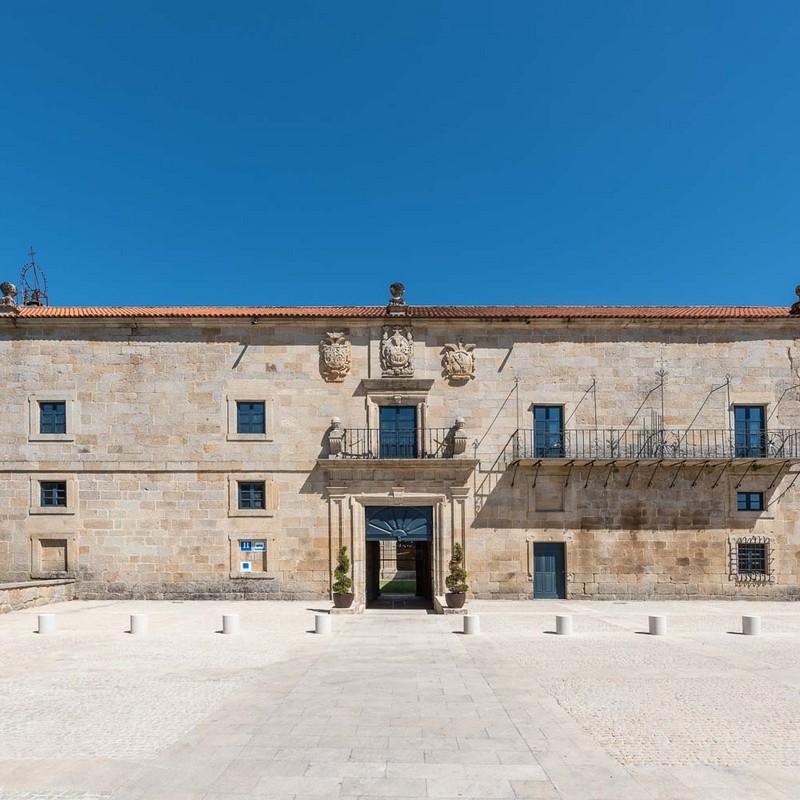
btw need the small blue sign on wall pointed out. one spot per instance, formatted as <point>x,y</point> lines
<point>245,546</point>
<point>259,546</point>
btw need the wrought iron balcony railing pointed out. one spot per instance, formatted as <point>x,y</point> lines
<point>656,445</point>
<point>374,443</point>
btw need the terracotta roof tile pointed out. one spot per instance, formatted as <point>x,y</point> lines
<point>418,312</point>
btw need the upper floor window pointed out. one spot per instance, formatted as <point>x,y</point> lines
<point>398,431</point>
<point>548,431</point>
<point>750,431</point>
<point>53,416</point>
<point>252,495</point>
<point>250,417</point>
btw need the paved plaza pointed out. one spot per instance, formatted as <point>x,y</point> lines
<point>400,704</point>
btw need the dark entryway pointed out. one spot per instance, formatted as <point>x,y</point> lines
<point>399,569</point>
<point>548,571</point>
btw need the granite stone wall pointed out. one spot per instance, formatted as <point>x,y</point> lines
<point>152,453</point>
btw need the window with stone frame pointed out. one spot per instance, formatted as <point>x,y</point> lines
<point>750,501</point>
<point>52,416</point>
<point>250,417</point>
<point>53,493</point>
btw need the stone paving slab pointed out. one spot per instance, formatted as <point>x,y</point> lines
<point>400,704</point>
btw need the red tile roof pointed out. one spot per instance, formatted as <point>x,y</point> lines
<point>418,312</point>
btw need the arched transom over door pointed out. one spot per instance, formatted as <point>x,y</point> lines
<point>399,524</point>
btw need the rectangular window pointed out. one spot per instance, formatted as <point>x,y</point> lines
<point>749,501</point>
<point>548,431</point>
<point>398,432</point>
<point>250,417</point>
<point>750,431</point>
<point>751,558</point>
<point>53,494</point>
<point>251,494</point>
<point>53,417</point>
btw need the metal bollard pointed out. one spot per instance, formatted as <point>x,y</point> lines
<point>322,623</point>
<point>472,624</point>
<point>751,626</point>
<point>564,624</point>
<point>138,624</point>
<point>47,623</point>
<point>230,623</point>
<point>658,626</point>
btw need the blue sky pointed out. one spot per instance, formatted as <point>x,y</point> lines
<point>290,153</point>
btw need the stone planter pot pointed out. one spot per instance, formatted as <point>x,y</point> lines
<point>455,599</point>
<point>342,599</point>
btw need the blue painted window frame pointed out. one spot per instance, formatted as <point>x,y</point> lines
<point>749,501</point>
<point>398,431</point>
<point>53,494</point>
<point>251,494</point>
<point>53,416</point>
<point>750,431</point>
<point>548,431</point>
<point>250,416</point>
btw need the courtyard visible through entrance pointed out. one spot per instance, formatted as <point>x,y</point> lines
<point>398,703</point>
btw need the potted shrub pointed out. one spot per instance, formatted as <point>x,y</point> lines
<point>343,583</point>
<point>456,581</point>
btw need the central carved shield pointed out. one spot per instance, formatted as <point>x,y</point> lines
<point>397,352</point>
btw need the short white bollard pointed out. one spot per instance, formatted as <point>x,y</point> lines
<point>138,624</point>
<point>322,623</point>
<point>564,624</point>
<point>658,626</point>
<point>751,626</point>
<point>47,623</point>
<point>472,624</point>
<point>230,623</point>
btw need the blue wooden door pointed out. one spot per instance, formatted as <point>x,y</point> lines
<point>548,570</point>
<point>398,432</point>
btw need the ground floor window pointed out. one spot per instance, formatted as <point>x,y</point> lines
<point>749,501</point>
<point>751,558</point>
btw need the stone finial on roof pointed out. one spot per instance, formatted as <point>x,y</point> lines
<point>8,305</point>
<point>397,305</point>
<point>795,309</point>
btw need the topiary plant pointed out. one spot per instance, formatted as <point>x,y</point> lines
<point>456,581</point>
<point>343,582</point>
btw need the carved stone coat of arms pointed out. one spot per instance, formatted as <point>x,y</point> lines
<point>335,356</point>
<point>397,352</point>
<point>459,361</point>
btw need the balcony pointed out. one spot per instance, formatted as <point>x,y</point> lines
<point>656,445</point>
<point>381,444</point>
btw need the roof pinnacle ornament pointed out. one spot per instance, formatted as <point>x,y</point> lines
<point>795,309</point>
<point>397,305</point>
<point>8,305</point>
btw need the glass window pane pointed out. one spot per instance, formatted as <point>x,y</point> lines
<point>53,417</point>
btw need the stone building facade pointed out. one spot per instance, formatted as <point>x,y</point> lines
<point>578,452</point>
